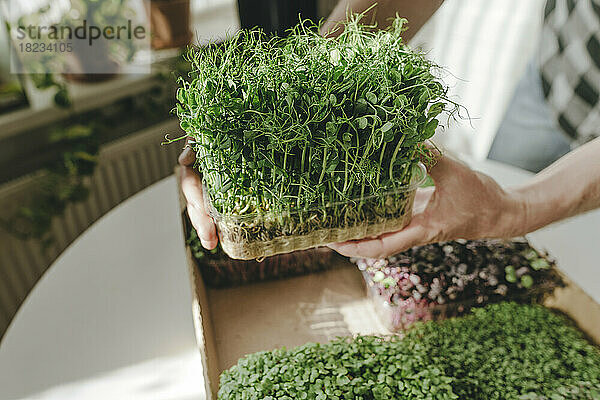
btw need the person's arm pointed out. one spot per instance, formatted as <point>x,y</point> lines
<point>568,187</point>
<point>466,204</point>
<point>416,12</point>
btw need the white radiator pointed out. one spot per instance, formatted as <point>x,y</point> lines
<point>125,167</point>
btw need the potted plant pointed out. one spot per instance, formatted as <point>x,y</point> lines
<point>306,140</point>
<point>170,23</point>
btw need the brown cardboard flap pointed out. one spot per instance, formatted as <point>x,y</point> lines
<point>287,313</point>
<point>203,327</point>
<point>579,306</point>
<point>204,331</point>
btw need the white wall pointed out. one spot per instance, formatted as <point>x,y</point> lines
<point>485,45</point>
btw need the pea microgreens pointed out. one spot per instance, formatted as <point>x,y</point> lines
<point>303,122</point>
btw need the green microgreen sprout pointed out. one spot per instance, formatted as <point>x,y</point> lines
<point>526,281</point>
<point>539,263</point>
<point>511,275</point>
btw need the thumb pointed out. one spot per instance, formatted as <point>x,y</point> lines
<point>434,159</point>
<point>187,156</point>
<point>447,168</point>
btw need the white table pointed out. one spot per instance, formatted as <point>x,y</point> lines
<point>112,318</point>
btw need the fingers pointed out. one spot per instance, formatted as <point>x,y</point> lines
<point>368,248</point>
<point>191,185</point>
<point>443,164</point>
<point>385,245</point>
<point>415,234</point>
<point>187,156</point>
<point>429,154</point>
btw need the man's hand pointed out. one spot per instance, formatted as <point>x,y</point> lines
<point>464,204</point>
<point>191,185</point>
<point>469,205</point>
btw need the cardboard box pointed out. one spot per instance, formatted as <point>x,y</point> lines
<point>231,323</point>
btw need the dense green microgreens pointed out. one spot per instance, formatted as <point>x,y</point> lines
<point>303,122</point>
<point>502,351</point>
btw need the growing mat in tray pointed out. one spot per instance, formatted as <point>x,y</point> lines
<point>305,140</point>
<point>220,271</point>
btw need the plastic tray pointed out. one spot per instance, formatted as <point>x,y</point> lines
<point>250,236</point>
<point>227,272</point>
<point>221,271</point>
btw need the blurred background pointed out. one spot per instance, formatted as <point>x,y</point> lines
<point>75,145</point>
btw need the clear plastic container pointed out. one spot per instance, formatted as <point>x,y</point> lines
<point>255,236</point>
